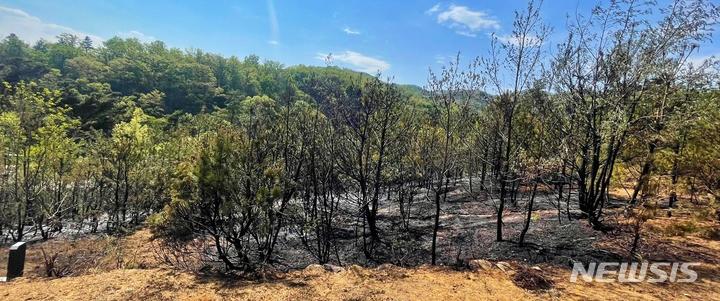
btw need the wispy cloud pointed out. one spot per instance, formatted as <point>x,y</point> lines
<point>433,9</point>
<point>274,25</point>
<point>440,59</point>
<point>31,28</point>
<point>137,35</point>
<point>350,31</point>
<point>466,33</point>
<point>703,61</point>
<point>273,42</point>
<point>464,20</point>
<point>357,61</point>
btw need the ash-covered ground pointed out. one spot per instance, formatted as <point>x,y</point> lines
<point>467,231</point>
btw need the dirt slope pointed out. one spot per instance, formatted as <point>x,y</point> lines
<point>158,284</point>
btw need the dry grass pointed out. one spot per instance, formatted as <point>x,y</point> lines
<point>87,255</point>
<point>353,284</point>
<point>424,283</point>
<point>706,288</point>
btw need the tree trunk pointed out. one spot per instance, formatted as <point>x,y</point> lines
<point>529,215</point>
<point>645,173</point>
<point>436,226</point>
<point>674,174</point>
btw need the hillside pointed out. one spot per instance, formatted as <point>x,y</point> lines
<point>135,169</point>
<point>100,81</point>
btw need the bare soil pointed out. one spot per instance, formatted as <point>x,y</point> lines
<point>355,283</point>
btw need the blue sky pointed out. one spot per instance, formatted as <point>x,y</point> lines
<point>402,39</point>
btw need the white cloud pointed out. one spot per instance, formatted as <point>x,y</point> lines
<point>31,29</point>
<point>701,60</point>
<point>433,9</point>
<point>466,33</point>
<point>357,61</point>
<point>350,31</point>
<point>274,24</point>
<point>530,41</point>
<point>463,20</point>
<point>138,35</point>
<point>273,42</point>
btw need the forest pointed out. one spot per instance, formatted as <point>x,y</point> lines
<point>251,164</point>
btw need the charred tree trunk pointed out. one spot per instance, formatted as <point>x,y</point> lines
<point>436,226</point>
<point>521,241</point>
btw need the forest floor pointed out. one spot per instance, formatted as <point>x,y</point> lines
<point>353,283</point>
<point>101,267</point>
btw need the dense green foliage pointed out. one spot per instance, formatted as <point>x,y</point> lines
<point>102,83</point>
